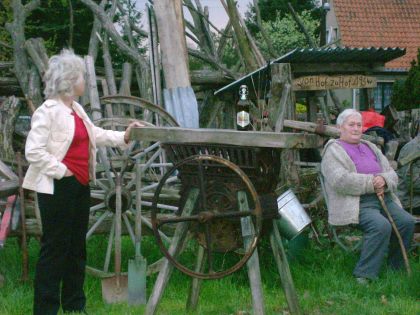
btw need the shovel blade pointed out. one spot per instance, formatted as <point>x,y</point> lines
<point>137,281</point>
<point>114,292</point>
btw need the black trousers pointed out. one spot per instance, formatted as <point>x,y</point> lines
<point>60,271</point>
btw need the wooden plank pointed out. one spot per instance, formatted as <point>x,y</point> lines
<point>326,82</point>
<point>227,137</point>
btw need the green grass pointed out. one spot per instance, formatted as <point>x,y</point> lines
<point>322,278</point>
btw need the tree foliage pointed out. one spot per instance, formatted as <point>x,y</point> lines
<point>271,10</point>
<point>285,34</point>
<point>406,93</point>
<point>51,21</point>
<point>5,16</point>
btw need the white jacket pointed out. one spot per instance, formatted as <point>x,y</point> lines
<point>51,134</point>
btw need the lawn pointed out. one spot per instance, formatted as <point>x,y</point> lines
<point>322,276</point>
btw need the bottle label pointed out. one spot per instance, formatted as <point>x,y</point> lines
<point>242,119</point>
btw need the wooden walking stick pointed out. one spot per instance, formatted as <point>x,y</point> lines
<point>397,233</point>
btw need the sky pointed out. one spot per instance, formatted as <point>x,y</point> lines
<point>217,13</point>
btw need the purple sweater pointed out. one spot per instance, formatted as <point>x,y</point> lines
<point>363,158</point>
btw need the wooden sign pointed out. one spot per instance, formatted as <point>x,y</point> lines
<point>325,82</point>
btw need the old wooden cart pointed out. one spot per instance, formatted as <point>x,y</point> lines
<point>218,177</point>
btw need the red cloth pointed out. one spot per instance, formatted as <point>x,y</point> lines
<point>372,119</point>
<point>77,157</point>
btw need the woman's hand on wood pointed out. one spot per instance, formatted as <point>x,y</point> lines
<point>128,130</point>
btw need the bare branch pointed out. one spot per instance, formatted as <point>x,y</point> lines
<point>133,25</point>
<point>244,45</point>
<point>96,30</point>
<point>189,6</point>
<point>31,46</point>
<point>301,26</point>
<point>211,60</point>
<point>138,30</point>
<point>190,36</point>
<point>108,26</point>
<point>29,7</point>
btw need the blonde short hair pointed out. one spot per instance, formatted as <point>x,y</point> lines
<point>64,71</point>
<point>346,114</point>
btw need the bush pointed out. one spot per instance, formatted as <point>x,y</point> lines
<point>406,93</point>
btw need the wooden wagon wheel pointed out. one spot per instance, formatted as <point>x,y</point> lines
<point>216,226</point>
<point>103,192</point>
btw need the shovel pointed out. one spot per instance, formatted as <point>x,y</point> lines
<point>137,267</point>
<point>114,289</point>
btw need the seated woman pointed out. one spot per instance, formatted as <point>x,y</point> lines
<point>356,173</point>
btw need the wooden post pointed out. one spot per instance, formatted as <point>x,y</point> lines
<point>172,41</point>
<point>284,271</point>
<point>312,107</point>
<point>167,267</point>
<point>195,286</point>
<point>253,264</point>
<point>96,111</point>
<point>281,83</point>
<point>154,58</point>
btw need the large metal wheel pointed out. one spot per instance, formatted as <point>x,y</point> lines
<point>147,155</point>
<point>225,216</point>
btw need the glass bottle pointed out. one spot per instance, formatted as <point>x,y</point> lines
<point>243,118</point>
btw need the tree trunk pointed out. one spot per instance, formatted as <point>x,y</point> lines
<point>243,44</point>
<point>8,115</point>
<point>172,42</point>
<point>21,62</point>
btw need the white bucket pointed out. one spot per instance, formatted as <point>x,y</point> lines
<point>293,217</point>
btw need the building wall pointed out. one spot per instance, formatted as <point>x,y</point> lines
<point>333,31</point>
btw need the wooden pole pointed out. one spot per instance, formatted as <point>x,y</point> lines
<point>253,264</point>
<point>195,286</point>
<point>329,131</point>
<point>284,271</point>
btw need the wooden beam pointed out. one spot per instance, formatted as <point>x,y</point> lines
<point>329,131</point>
<point>5,171</point>
<point>8,188</point>
<point>227,137</point>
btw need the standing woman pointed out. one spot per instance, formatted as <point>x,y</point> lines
<point>61,151</point>
<point>356,173</point>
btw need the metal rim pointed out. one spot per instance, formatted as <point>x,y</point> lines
<point>257,213</point>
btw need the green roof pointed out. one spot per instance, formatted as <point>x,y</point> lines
<point>341,54</point>
<point>319,56</point>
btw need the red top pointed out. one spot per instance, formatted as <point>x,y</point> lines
<point>77,157</point>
